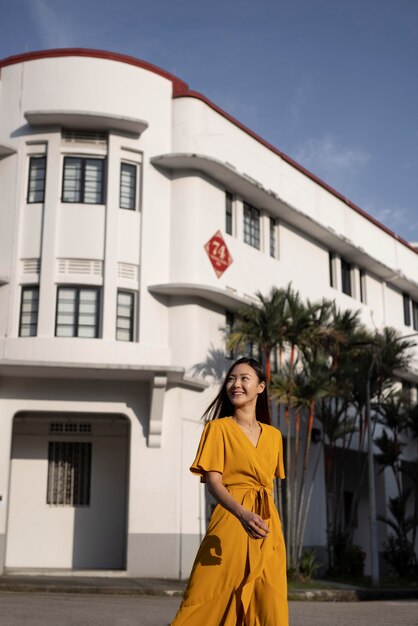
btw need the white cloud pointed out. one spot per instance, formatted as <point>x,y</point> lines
<point>326,157</point>
<point>299,100</point>
<point>396,218</point>
<point>54,28</point>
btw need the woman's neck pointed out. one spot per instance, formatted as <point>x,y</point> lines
<point>245,415</point>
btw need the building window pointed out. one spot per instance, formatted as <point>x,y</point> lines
<point>29,312</point>
<point>127,196</point>
<point>415,315</point>
<point>331,269</point>
<point>69,473</point>
<point>83,180</point>
<point>273,247</point>
<point>228,212</point>
<point>78,312</point>
<point>229,326</point>
<point>125,316</point>
<point>363,295</point>
<point>274,365</point>
<point>406,309</point>
<point>346,277</point>
<point>36,182</point>
<point>252,226</point>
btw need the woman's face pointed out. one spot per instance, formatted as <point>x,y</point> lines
<point>243,386</point>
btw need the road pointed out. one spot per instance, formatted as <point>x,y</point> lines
<point>34,609</point>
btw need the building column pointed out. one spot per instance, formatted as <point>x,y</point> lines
<point>110,268</point>
<point>336,272</point>
<point>6,420</point>
<point>47,288</point>
<point>238,229</point>
<point>355,282</point>
<point>265,233</point>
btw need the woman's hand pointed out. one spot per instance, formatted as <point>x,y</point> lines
<point>253,524</point>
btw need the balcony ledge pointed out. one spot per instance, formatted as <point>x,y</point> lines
<point>88,120</point>
<point>227,298</point>
<point>104,371</point>
<point>255,192</point>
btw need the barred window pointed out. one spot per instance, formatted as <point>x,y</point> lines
<point>36,181</point>
<point>125,316</point>
<point>228,212</point>
<point>127,199</point>
<point>252,226</point>
<point>69,473</point>
<point>331,269</point>
<point>363,292</point>
<point>78,312</point>
<point>83,180</point>
<point>406,309</point>
<point>229,327</point>
<point>346,277</point>
<point>28,326</point>
<point>272,237</point>
<point>414,315</point>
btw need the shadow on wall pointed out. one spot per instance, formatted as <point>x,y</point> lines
<point>99,532</point>
<point>215,365</point>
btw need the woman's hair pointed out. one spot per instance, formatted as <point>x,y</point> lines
<point>223,407</point>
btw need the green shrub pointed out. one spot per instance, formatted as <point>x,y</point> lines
<point>308,564</point>
<point>347,558</point>
<point>400,556</point>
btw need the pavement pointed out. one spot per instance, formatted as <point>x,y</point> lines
<point>120,585</point>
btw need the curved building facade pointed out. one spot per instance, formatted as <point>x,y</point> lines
<point>135,218</point>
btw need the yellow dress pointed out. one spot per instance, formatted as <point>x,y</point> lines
<point>236,580</point>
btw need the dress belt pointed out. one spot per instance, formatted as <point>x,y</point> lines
<point>259,499</point>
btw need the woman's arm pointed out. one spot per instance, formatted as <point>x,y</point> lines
<point>253,524</point>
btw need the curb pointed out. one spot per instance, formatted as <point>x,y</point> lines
<point>87,589</point>
<point>352,595</point>
<point>304,595</point>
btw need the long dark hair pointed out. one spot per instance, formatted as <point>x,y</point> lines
<point>223,407</point>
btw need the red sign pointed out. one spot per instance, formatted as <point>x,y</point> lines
<point>218,253</point>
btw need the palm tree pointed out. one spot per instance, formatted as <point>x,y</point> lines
<point>314,384</point>
<point>411,419</point>
<point>379,359</point>
<point>261,324</point>
<point>337,424</point>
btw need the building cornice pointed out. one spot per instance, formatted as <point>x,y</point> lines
<point>105,371</point>
<point>253,191</point>
<point>180,89</point>
<point>179,86</point>
<point>86,120</point>
<point>187,93</point>
<point>225,297</point>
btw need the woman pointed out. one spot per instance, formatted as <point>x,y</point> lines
<point>239,575</point>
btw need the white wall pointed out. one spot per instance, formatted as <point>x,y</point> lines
<point>42,535</point>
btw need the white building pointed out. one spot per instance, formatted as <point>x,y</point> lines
<point>113,177</point>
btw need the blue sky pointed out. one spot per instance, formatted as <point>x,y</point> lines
<point>332,83</point>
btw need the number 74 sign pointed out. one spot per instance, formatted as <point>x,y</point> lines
<point>218,253</point>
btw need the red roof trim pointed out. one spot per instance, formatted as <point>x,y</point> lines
<point>181,90</point>
<point>178,85</point>
<point>195,94</point>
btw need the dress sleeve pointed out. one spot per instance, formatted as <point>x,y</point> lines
<point>280,466</point>
<point>211,452</point>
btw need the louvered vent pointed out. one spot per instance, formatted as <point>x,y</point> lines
<point>80,266</point>
<point>31,266</point>
<point>84,136</point>
<point>82,428</point>
<point>128,271</point>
